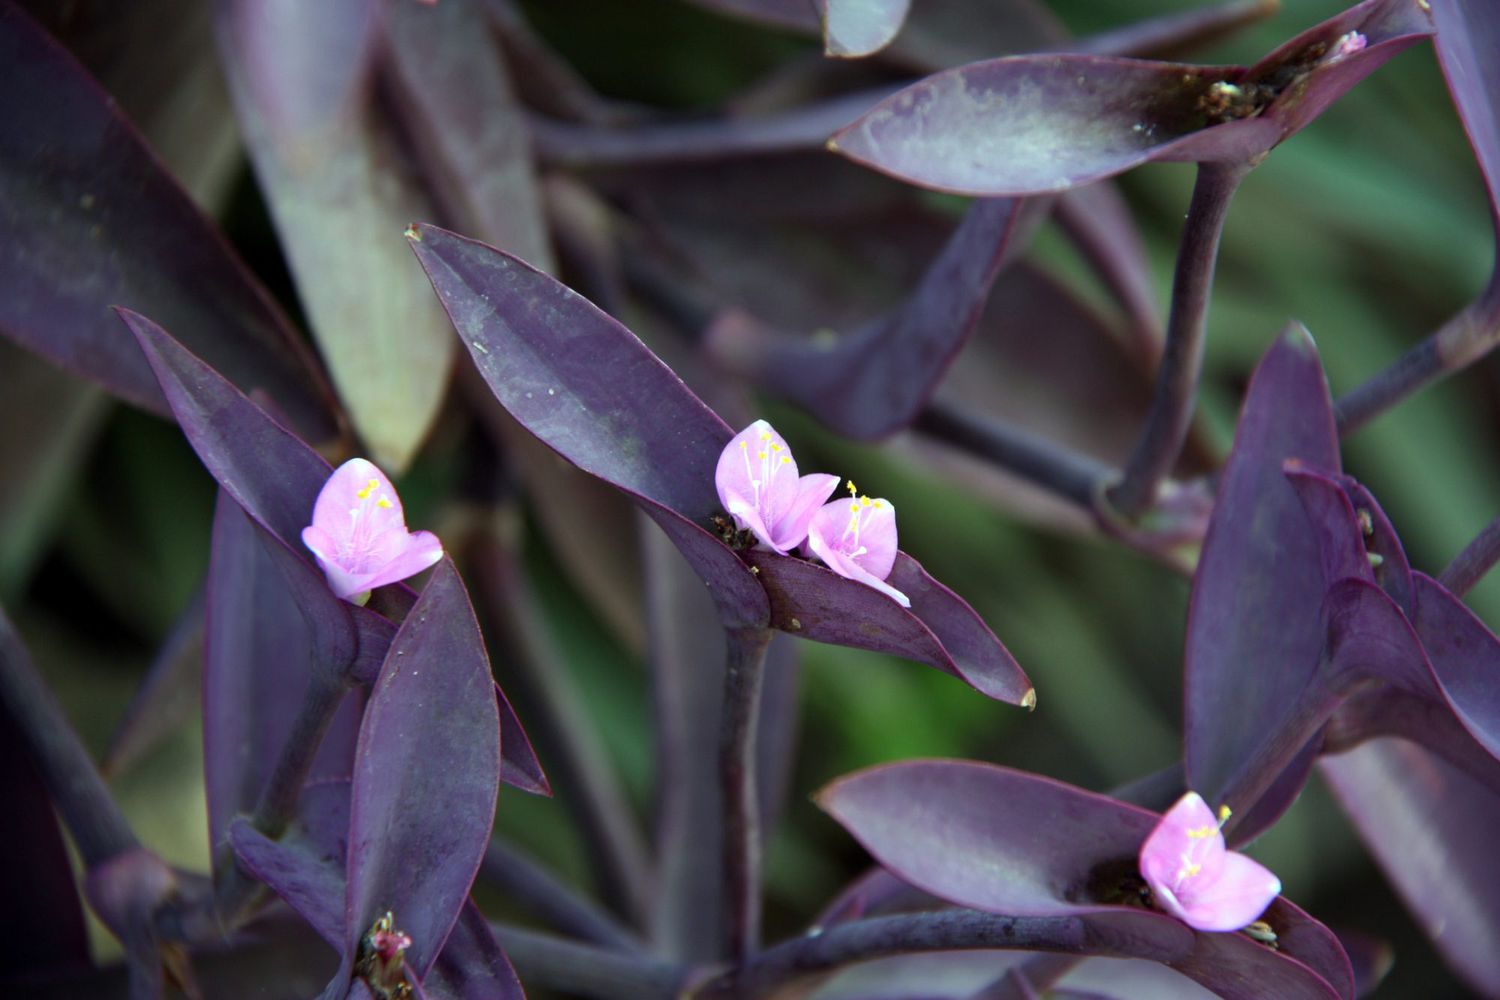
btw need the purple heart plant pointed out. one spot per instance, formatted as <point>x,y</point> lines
<point>921,238</point>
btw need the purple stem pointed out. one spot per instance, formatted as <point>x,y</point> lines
<point>582,970</point>
<point>744,674</point>
<point>1458,343</point>
<point>903,934</point>
<point>1470,565</point>
<point>1182,358</point>
<point>93,818</point>
<point>1069,474</point>
<point>536,889</point>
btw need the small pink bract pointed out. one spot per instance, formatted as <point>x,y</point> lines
<point>358,533</point>
<point>1195,878</point>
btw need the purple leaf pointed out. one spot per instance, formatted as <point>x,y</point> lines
<point>1017,844</point>
<point>854,28</point>
<point>1466,36</point>
<point>472,966</point>
<point>110,226</point>
<point>940,629</point>
<point>1431,829</point>
<point>453,94</point>
<point>327,161</point>
<point>305,865</point>
<point>576,379</point>
<point>1255,629</point>
<point>872,382</point>
<point>258,660</point>
<point>265,467</point>
<point>1464,656</point>
<point>519,767</point>
<point>426,774</point>
<point>1030,124</point>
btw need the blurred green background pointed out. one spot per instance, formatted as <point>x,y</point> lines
<point>1371,227</point>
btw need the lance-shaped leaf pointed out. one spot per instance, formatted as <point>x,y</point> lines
<point>93,220</point>
<point>470,134</point>
<point>591,391</point>
<point>305,866</point>
<point>426,774</point>
<point>1430,828</point>
<point>275,477</point>
<point>873,381</point>
<point>332,174</point>
<point>1017,844</point>
<point>854,28</point>
<point>1255,631</point>
<point>258,662</point>
<point>1455,668</point>
<point>1029,124</point>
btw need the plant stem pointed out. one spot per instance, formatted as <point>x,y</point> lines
<point>949,930</point>
<point>744,673</point>
<point>1071,475</point>
<point>1476,559</point>
<point>585,970</point>
<point>1182,357</point>
<point>525,881</point>
<point>93,818</point>
<point>1458,343</point>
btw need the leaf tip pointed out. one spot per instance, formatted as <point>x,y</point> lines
<point>413,232</point>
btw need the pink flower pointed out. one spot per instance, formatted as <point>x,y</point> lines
<point>759,487</point>
<point>1195,878</point>
<point>857,540</point>
<point>359,535</point>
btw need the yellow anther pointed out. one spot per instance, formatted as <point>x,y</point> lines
<point>760,454</point>
<point>765,436</point>
<point>1224,813</point>
<point>853,490</point>
<point>786,460</point>
<point>1190,869</point>
<point>370,487</point>
<point>1202,832</point>
<point>854,507</point>
<point>775,446</point>
<point>385,502</point>
<point>879,504</point>
<point>864,501</point>
<point>744,445</point>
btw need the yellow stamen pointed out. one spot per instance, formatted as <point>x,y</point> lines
<point>864,501</point>
<point>385,502</point>
<point>853,490</point>
<point>1224,813</point>
<point>1202,832</point>
<point>370,487</point>
<point>786,460</point>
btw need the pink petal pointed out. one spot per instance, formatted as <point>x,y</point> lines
<point>1163,852</point>
<point>757,454</point>
<point>340,581</point>
<point>878,537</point>
<point>812,492</point>
<point>848,568</point>
<point>747,518</point>
<point>1235,899</point>
<point>422,550</point>
<point>341,495</point>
